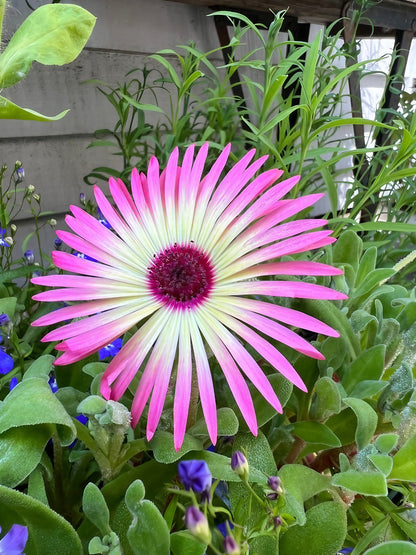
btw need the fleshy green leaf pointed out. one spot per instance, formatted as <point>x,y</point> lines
<point>163,448</point>
<point>316,432</point>
<point>366,420</point>
<point>393,548</point>
<point>31,403</point>
<point>21,451</point>
<point>302,482</point>
<point>327,399</point>
<point>53,35</point>
<point>183,543</point>
<point>18,508</point>
<point>324,531</point>
<point>365,483</point>
<point>227,423</point>
<point>404,462</point>
<point>368,365</point>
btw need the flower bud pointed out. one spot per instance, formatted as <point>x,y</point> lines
<point>13,229</point>
<point>239,464</point>
<point>30,257</point>
<point>30,189</point>
<point>197,524</point>
<point>58,243</point>
<point>4,319</point>
<point>20,174</point>
<point>277,521</point>
<point>9,241</point>
<point>82,198</point>
<point>36,197</point>
<point>231,547</point>
<point>52,222</point>
<point>275,485</point>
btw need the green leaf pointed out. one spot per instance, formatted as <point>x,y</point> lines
<point>18,508</point>
<point>20,452</point>
<point>326,400</point>
<point>227,423</point>
<point>369,365</point>
<point>393,548</point>
<point>9,275</point>
<point>148,532</point>
<point>31,403</point>
<point>366,421</point>
<point>302,482</point>
<point>9,110</point>
<point>316,432</point>
<point>383,463</point>
<point>183,543</point>
<point>52,35</point>
<point>348,249</point>
<point>365,483</point>
<point>95,508</point>
<point>8,306</point>
<point>368,388</point>
<point>386,442</point>
<point>40,368</point>
<point>324,531</point>
<point>163,447</point>
<point>264,411</point>
<point>404,462</point>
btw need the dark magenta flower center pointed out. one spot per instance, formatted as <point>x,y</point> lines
<point>181,275</point>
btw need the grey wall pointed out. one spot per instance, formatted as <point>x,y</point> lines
<point>54,154</point>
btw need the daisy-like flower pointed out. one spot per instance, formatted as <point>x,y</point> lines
<point>182,263</point>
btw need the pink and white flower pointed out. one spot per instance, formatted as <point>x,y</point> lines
<point>182,263</point>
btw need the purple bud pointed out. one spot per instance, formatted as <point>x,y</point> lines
<point>275,485</point>
<point>13,382</point>
<point>20,173</point>
<point>82,198</point>
<point>195,475</point>
<point>4,319</point>
<point>277,521</point>
<point>58,243</point>
<point>197,524</point>
<point>30,257</point>
<point>231,547</point>
<point>239,464</point>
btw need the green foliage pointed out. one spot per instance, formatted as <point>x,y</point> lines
<point>52,35</point>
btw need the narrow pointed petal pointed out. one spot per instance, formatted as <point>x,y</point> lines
<point>291,289</point>
<point>183,385</point>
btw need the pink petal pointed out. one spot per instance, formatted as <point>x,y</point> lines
<point>291,289</point>
<point>292,268</point>
<point>263,347</point>
<point>168,340</point>
<point>232,374</point>
<point>205,385</point>
<point>183,385</point>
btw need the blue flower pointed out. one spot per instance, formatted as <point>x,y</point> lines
<point>111,349</point>
<point>58,243</point>
<point>4,319</point>
<point>84,256</point>
<point>14,541</point>
<point>20,174</point>
<point>102,220</point>
<point>195,475</point>
<point>3,243</point>
<point>13,382</point>
<point>345,550</point>
<point>52,383</point>
<point>6,362</point>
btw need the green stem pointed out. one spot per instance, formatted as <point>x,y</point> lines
<point>2,10</point>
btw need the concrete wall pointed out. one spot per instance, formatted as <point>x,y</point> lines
<point>54,154</point>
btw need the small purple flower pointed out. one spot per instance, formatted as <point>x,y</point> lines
<point>231,547</point>
<point>239,464</point>
<point>3,243</point>
<point>52,384</point>
<point>82,198</point>
<point>30,257</point>
<point>13,543</point>
<point>195,475</point>
<point>6,362</point>
<point>4,319</point>
<point>345,550</point>
<point>82,418</point>
<point>13,382</point>
<point>20,173</point>
<point>58,243</point>
<point>197,524</point>
<point>102,220</point>
<point>84,256</point>
<point>111,349</point>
